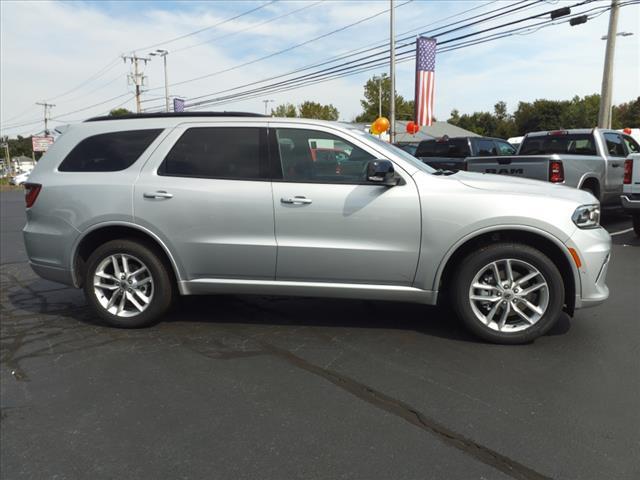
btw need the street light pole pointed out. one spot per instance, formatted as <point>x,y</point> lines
<point>392,71</point>
<point>266,103</point>
<point>604,115</point>
<point>163,54</point>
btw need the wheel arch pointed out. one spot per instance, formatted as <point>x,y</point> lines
<point>591,180</point>
<point>104,232</point>
<point>546,243</point>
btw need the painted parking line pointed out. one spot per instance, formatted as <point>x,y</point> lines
<point>621,232</point>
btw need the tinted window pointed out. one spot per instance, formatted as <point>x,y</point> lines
<point>108,152</point>
<point>443,147</point>
<point>572,143</point>
<point>313,156</point>
<point>632,145</point>
<point>505,148</point>
<point>218,152</point>
<point>486,148</point>
<point>615,146</point>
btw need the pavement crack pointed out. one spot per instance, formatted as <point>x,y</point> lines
<point>401,409</point>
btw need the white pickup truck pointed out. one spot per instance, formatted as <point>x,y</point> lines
<point>631,190</point>
<point>589,159</point>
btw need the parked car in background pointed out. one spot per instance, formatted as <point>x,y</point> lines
<point>20,179</point>
<point>631,190</point>
<point>450,153</point>
<point>137,209</point>
<point>588,159</point>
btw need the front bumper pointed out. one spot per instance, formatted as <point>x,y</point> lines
<point>631,202</point>
<point>594,249</point>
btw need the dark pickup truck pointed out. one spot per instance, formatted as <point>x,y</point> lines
<point>450,153</point>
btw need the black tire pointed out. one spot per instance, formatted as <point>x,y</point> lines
<point>163,290</point>
<point>636,223</point>
<point>473,263</point>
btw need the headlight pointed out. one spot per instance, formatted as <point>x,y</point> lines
<point>587,216</point>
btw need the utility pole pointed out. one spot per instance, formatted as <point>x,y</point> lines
<point>380,96</point>
<point>163,54</point>
<point>604,115</point>
<point>47,112</point>
<point>266,102</point>
<point>392,71</point>
<point>136,77</point>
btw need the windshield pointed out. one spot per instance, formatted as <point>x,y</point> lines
<point>396,151</point>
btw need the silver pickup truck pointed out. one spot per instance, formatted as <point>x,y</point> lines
<point>589,159</point>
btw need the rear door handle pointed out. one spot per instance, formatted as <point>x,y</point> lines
<point>158,194</point>
<point>615,164</point>
<point>296,200</point>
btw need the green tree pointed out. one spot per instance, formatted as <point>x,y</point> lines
<point>316,110</point>
<point>284,110</point>
<point>118,112</point>
<point>627,115</point>
<point>370,102</point>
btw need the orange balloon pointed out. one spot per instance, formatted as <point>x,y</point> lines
<point>412,128</point>
<point>382,124</point>
<point>374,129</point>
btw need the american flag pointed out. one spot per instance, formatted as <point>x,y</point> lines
<point>178,105</point>
<point>425,79</point>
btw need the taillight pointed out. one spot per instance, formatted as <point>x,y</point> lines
<point>628,171</point>
<point>31,191</point>
<point>556,171</point>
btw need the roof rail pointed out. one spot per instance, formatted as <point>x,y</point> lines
<point>173,115</point>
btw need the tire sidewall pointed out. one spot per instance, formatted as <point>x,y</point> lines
<point>163,291</point>
<point>472,264</point>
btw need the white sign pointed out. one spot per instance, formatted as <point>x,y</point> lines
<point>41,144</point>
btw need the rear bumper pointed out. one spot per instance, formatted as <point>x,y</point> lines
<point>594,249</point>
<point>631,202</point>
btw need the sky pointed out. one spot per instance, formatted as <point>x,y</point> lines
<point>68,53</point>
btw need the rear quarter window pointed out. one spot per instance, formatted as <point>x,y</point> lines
<point>108,152</point>
<point>452,148</point>
<point>573,144</point>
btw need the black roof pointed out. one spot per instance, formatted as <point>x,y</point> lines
<point>174,114</point>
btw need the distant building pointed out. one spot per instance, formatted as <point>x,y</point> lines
<point>23,164</point>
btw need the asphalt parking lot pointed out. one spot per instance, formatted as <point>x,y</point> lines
<point>262,387</point>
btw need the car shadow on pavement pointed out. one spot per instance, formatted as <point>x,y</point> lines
<point>293,312</point>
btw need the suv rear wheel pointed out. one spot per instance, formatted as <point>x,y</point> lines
<point>508,293</point>
<point>127,284</point>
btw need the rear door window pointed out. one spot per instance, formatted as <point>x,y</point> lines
<point>234,153</point>
<point>108,152</point>
<point>615,145</point>
<point>570,143</point>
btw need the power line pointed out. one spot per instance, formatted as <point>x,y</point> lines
<point>271,55</point>
<point>317,77</point>
<point>369,49</point>
<point>195,32</point>
<point>250,27</point>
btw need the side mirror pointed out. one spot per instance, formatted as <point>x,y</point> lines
<point>381,172</point>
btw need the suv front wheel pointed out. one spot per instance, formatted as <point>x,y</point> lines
<point>508,293</point>
<point>127,284</point>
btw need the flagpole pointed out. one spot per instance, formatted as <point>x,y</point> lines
<point>392,71</point>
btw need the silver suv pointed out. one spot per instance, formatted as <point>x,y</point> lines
<point>137,210</point>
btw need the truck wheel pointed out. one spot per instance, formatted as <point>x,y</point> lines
<point>127,285</point>
<point>636,223</point>
<point>508,293</point>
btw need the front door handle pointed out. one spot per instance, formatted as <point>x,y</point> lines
<point>158,194</point>
<point>296,200</point>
